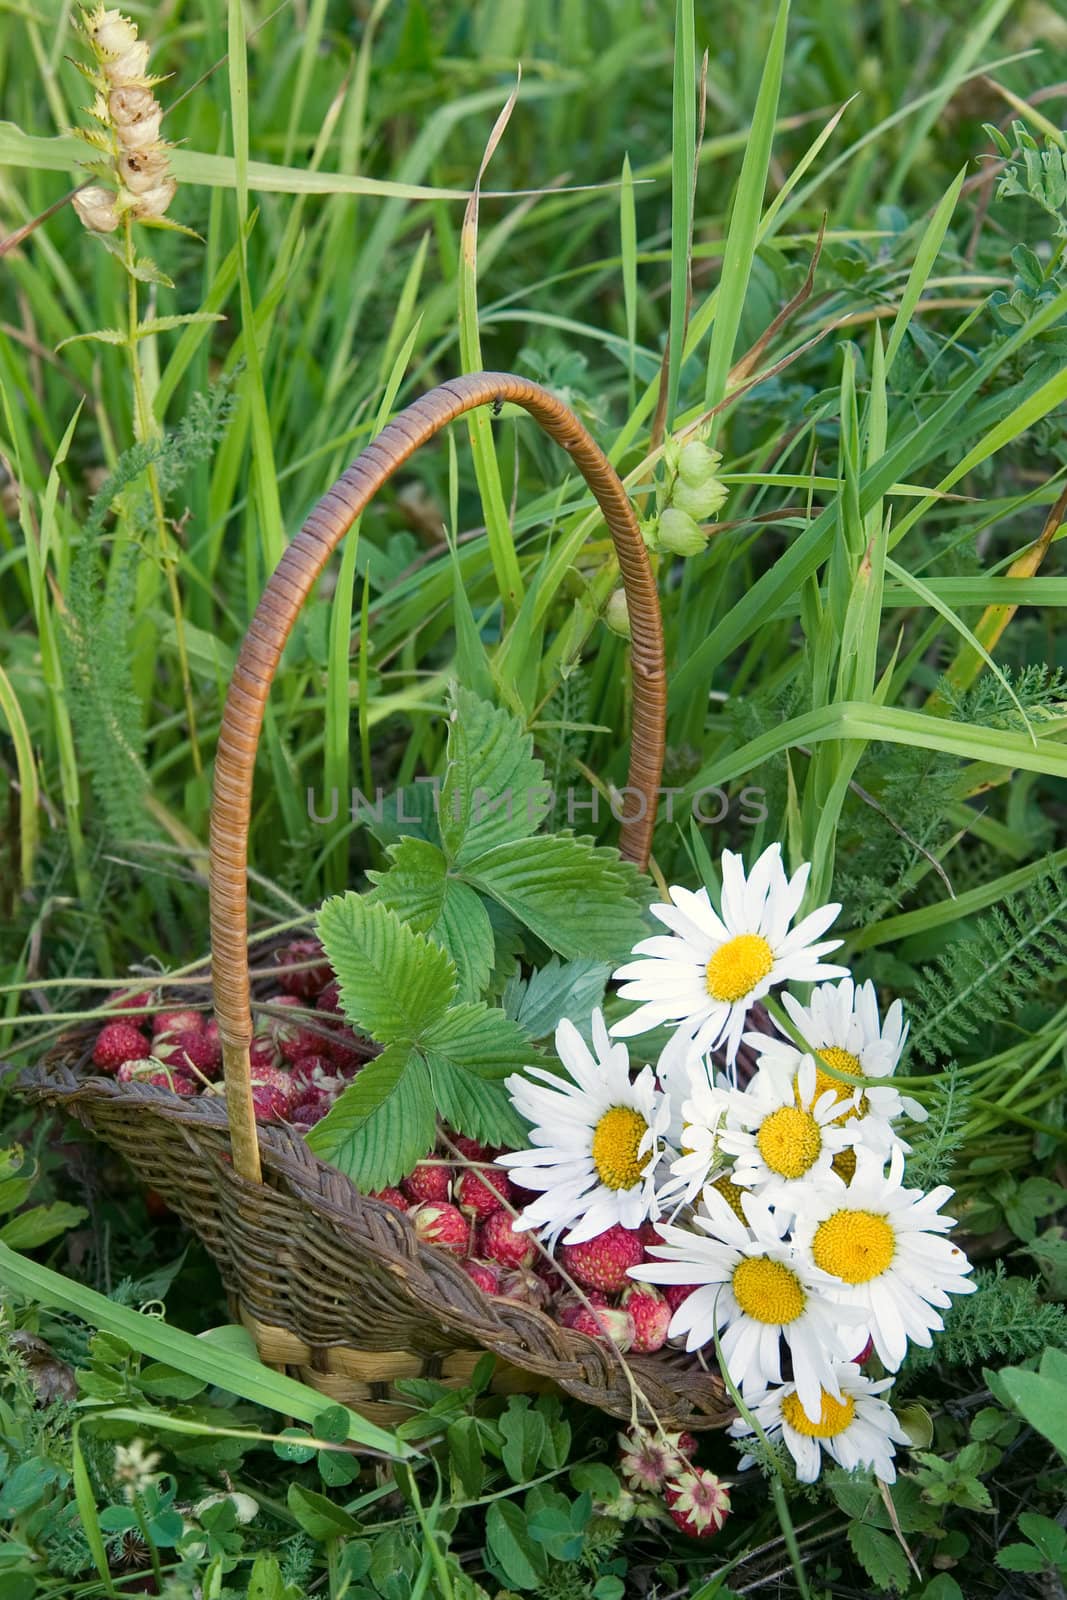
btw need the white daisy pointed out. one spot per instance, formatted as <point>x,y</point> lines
<point>598,1140</point>
<point>880,1245</point>
<point>713,966</point>
<point>857,1430</point>
<point>841,1024</point>
<point>755,1289</point>
<point>703,1119</point>
<point>781,1135</point>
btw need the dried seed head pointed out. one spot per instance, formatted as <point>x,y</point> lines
<point>110,31</point>
<point>154,202</point>
<point>131,66</point>
<point>97,209</point>
<point>138,128</point>
<point>131,103</point>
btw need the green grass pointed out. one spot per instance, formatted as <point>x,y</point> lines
<point>892,449</point>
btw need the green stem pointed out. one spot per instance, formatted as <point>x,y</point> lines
<point>144,427</point>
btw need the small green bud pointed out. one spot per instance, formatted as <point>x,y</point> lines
<point>700,501</point>
<point>679,534</point>
<point>617,614</point>
<point>696,463</point>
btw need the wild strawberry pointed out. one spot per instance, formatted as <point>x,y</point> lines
<point>675,1293</point>
<point>315,1074</point>
<point>291,1034</point>
<point>262,1052</point>
<point>649,1234</point>
<point>686,1444</point>
<point>649,1459</point>
<point>606,1323</point>
<point>480,1192</point>
<point>604,1262</point>
<point>484,1274</point>
<point>312,979</point>
<point>651,1314</point>
<point>116,1043</point>
<point>175,1021</point>
<point>570,1304</point>
<point>545,1268</point>
<point>213,1042</point>
<point>272,1093</point>
<point>429,1181</point>
<point>308,1110</point>
<point>330,999</point>
<point>131,1000</point>
<point>346,1050</point>
<point>471,1149</point>
<point>519,1283</point>
<point>155,1205</point>
<point>698,1502</point>
<point>865,1354</point>
<point>500,1241</point>
<point>442,1225</point>
<point>149,1070</point>
<point>392,1197</point>
<point>188,1048</point>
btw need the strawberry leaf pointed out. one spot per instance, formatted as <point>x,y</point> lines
<point>382,1123</point>
<point>394,982</point>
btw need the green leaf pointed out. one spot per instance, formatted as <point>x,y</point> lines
<point>469,1054</point>
<point>1041,1398</point>
<point>417,887</point>
<point>35,1227</point>
<point>525,1434</point>
<point>494,788</point>
<point>394,982</point>
<point>594,1478</point>
<point>1048,1536</point>
<point>382,1123</point>
<point>558,989</point>
<point>465,1450</point>
<point>317,1515</point>
<point>519,1558</point>
<point>581,899</point>
<point>880,1556</point>
<point>1021,1558</point>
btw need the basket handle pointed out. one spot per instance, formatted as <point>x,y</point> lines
<point>288,588</point>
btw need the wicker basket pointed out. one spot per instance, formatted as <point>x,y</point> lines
<point>331,1284</point>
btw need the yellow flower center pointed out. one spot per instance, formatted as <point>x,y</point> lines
<point>737,966</point>
<point>616,1147</point>
<point>854,1245</point>
<point>731,1193</point>
<point>844,1164</point>
<point>836,1416</point>
<point>844,1061</point>
<point>768,1291</point>
<point>789,1141</point>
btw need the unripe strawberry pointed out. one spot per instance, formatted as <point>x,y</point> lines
<point>272,1093</point>
<point>484,1274</point>
<point>698,1502</point>
<point>604,1262</point>
<point>310,982</point>
<point>675,1293</point>
<point>149,1070</point>
<point>651,1314</point>
<point>520,1283</point>
<point>176,1021</point>
<point>116,1043</point>
<point>392,1197</point>
<point>500,1241</point>
<point>441,1224</point>
<point>608,1323</point>
<point>429,1181</point>
<point>481,1192</point>
<point>291,1035</point>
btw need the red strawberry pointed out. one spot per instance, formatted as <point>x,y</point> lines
<point>150,1071</point>
<point>442,1225</point>
<point>500,1241</point>
<point>315,1074</point>
<point>189,1047</point>
<point>675,1293</point>
<point>272,1093</point>
<point>175,1021</point>
<point>519,1283</point>
<point>686,1444</point>
<point>651,1314</point>
<point>131,1000</point>
<point>607,1323</point>
<point>155,1204</point>
<point>429,1181</point>
<point>698,1502</point>
<point>262,1052</point>
<point>481,1192</point>
<point>330,999</point>
<point>484,1274</point>
<point>649,1234</point>
<point>865,1354</point>
<point>604,1262</point>
<point>392,1197</point>
<point>346,1050</point>
<point>471,1149</point>
<point>545,1268</point>
<point>311,1108</point>
<point>571,1304</point>
<point>291,1035</point>
<point>116,1043</point>
<point>312,980</point>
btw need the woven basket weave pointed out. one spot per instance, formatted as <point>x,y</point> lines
<point>331,1284</point>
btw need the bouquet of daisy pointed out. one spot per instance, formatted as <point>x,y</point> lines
<point>771,1220</point>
